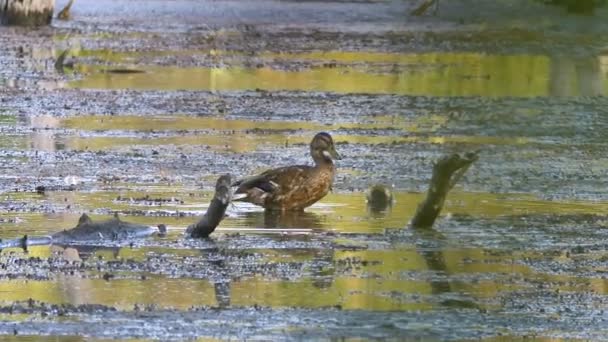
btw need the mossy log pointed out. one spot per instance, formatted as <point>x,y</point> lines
<point>26,12</point>
<point>446,173</point>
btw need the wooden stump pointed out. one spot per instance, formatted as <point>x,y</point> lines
<point>446,172</point>
<point>26,12</point>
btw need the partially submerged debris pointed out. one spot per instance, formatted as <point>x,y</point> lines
<point>446,173</point>
<point>86,230</point>
<point>379,197</point>
<point>424,6</point>
<point>115,229</point>
<point>64,14</point>
<point>216,211</point>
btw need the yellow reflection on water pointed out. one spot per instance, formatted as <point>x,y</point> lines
<point>377,284</point>
<point>433,74</point>
<point>178,122</point>
<point>236,134</point>
<point>122,293</point>
<point>350,293</point>
<point>351,214</point>
<point>231,135</point>
<point>243,143</point>
<point>345,212</point>
<point>339,80</point>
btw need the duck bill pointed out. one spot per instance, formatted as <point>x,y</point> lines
<point>332,154</point>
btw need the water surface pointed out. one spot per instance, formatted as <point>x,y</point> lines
<point>141,124</point>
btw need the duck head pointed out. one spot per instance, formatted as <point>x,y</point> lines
<point>322,148</point>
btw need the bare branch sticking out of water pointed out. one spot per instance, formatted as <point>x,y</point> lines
<point>424,6</point>
<point>446,173</point>
<point>64,14</point>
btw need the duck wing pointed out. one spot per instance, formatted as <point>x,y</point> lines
<point>275,181</point>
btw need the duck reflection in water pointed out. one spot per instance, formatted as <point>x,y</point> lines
<point>286,219</point>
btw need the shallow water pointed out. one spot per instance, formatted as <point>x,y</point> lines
<point>431,74</point>
<point>143,118</point>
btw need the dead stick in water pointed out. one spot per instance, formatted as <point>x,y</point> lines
<point>216,211</point>
<point>446,172</point>
<point>472,157</point>
<point>65,12</point>
<point>423,7</point>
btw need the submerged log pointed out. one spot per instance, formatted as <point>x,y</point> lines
<point>446,173</point>
<point>26,12</point>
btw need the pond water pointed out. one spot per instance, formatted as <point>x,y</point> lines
<point>141,119</point>
<point>428,74</point>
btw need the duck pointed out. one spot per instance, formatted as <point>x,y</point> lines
<point>295,187</point>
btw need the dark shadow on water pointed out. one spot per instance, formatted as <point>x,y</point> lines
<point>322,269</point>
<point>86,251</point>
<point>435,260</point>
<point>223,280</point>
<point>379,212</point>
<point>222,293</point>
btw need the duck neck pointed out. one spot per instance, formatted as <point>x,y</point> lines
<point>324,163</point>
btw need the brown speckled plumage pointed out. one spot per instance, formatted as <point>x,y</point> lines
<point>294,187</point>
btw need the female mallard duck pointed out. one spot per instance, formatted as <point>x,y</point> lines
<point>293,187</point>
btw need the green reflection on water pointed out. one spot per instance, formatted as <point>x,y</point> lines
<point>432,74</point>
<point>382,279</point>
<point>235,135</point>
<point>344,212</point>
<point>122,293</point>
<point>376,283</point>
<point>239,143</point>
